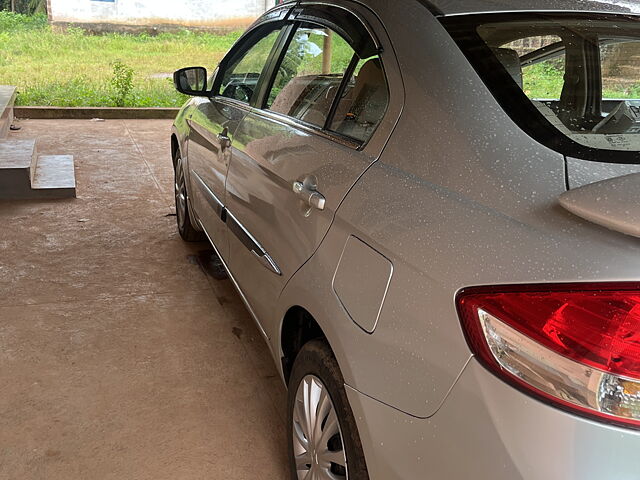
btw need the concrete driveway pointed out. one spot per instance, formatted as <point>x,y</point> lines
<point>120,358</point>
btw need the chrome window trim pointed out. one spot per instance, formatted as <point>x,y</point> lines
<point>232,102</point>
<point>309,128</point>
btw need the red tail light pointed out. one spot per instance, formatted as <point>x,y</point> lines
<point>577,346</point>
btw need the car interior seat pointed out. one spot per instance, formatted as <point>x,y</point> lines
<point>510,60</point>
<point>366,103</point>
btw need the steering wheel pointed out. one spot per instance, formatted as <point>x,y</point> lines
<point>619,120</point>
<point>238,91</point>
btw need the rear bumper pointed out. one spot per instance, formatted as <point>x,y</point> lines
<point>488,430</point>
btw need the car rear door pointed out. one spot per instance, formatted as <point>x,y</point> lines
<point>323,116</point>
<point>215,120</point>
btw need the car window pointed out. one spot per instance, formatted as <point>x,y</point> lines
<point>310,74</point>
<point>364,102</point>
<point>620,69</point>
<point>582,76</point>
<point>241,76</point>
<point>539,67</point>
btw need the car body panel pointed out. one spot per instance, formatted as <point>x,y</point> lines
<point>486,429</point>
<point>362,272</point>
<point>583,172</point>
<point>452,193</point>
<point>260,195</point>
<point>468,200</point>
<point>208,163</point>
<point>462,7</point>
<point>271,153</point>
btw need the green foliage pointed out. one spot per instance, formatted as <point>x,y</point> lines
<point>121,83</point>
<point>25,6</point>
<point>13,22</point>
<point>75,68</point>
<point>544,79</point>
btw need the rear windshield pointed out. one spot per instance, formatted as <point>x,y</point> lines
<point>572,82</point>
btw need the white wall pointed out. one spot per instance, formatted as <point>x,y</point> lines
<point>146,12</point>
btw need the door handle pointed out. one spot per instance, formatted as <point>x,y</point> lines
<point>307,191</point>
<point>223,139</point>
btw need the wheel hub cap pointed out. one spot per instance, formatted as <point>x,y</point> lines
<point>317,438</point>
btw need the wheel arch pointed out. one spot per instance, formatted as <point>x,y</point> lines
<point>175,148</point>
<point>298,327</point>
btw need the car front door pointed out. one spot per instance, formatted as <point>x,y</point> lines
<point>323,117</point>
<point>215,121</point>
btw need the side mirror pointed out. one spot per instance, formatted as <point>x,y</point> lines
<point>191,81</point>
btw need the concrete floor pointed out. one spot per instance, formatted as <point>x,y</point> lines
<point>119,357</point>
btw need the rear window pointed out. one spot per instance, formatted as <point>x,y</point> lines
<point>572,82</point>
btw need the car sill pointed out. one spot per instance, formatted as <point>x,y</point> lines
<point>235,284</point>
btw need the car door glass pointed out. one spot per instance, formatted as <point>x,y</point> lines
<point>539,74</point>
<point>310,74</point>
<point>241,76</point>
<point>620,69</point>
<point>364,101</point>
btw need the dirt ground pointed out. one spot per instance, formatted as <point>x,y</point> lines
<point>120,358</point>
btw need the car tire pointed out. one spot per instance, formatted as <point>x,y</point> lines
<point>183,218</point>
<point>316,386</point>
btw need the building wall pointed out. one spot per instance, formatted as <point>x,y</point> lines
<point>204,13</point>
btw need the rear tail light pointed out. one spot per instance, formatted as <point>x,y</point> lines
<point>575,346</point>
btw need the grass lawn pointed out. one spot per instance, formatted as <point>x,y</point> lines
<point>73,68</point>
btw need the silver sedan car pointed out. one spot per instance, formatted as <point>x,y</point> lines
<point>432,210</point>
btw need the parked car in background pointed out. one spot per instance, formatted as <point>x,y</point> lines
<point>431,211</point>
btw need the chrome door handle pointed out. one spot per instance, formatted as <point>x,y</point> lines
<point>307,192</point>
<point>223,139</point>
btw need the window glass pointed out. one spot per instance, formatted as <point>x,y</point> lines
<point>582,75</point>
<point>310,74</point>
<point>620,69</point>
<point>364,101</point>
<point>242,74</point>
<point>540,79</point>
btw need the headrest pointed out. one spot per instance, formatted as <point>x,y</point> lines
<point>370,92</point>
<point>511,62</point>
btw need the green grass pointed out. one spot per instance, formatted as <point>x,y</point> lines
<point>73,68</point>
<point>546,79</point>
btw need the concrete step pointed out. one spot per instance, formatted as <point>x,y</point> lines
<point>54,177</point>
<point>24,174</point>
<point>7,99</point>
<point>16,167</point>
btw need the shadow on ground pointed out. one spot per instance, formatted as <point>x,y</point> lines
<point>123,354</point>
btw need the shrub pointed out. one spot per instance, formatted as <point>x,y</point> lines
<point>121,83</point>
<point>11,22</point>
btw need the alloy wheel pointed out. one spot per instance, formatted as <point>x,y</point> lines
<point>181,194</point>
<point>318,445</point>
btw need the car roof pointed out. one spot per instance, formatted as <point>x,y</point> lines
<point>458,7</point>
<point>462,7</point>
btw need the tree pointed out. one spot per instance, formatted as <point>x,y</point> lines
<point>24,6</point>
